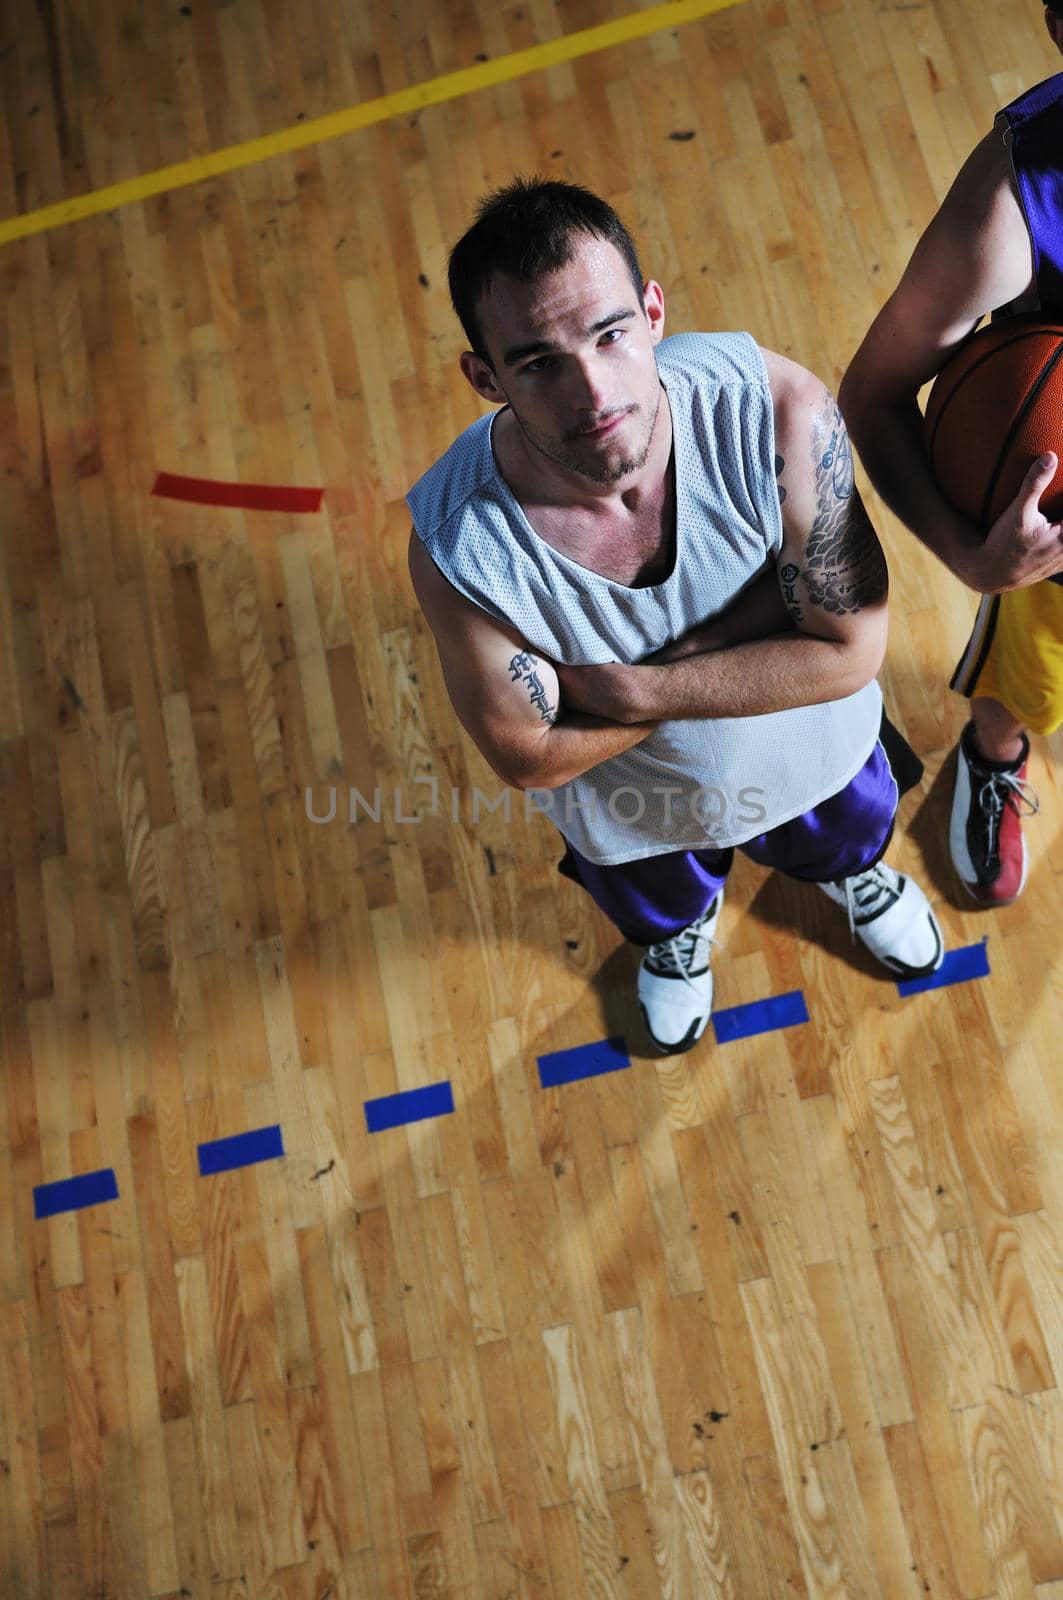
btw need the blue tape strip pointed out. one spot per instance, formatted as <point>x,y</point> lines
<point>583,1061</point>
<point>959,966</point>
<point>414,1105</point>
<point>73,1194</point>
<point>241,1150</point>
<point>760,1016</point>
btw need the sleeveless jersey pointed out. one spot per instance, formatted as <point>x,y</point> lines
<point>1036,123</point>
<point>710,782</point>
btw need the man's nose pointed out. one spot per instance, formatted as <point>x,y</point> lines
<point>587,387</point>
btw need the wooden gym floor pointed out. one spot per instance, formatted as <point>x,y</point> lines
<point>783,1317</point>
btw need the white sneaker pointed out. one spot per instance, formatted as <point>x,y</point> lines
<point>891,915</point>
<point>675,984</point>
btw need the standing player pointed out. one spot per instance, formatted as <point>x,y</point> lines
<point>996,245</point>
<point>625,494</point>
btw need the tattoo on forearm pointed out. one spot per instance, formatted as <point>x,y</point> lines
<point>522,670</point>
<point>779,464</point>
<point>845,569</point>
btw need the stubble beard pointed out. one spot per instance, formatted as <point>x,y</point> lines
<point>600,472</point>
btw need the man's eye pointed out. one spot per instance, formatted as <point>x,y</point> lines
<point>540,364</point>
<point>613,334</point>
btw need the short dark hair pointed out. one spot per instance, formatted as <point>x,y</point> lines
<point>528,229</point>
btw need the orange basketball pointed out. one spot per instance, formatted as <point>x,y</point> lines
<point>997,405</point>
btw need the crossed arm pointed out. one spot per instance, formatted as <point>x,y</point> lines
<point>823,609</point>
<point>832,584</point>
<point>507,698</point>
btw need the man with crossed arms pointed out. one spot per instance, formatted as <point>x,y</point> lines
<point>578,555</point>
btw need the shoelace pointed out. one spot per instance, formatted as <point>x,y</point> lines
<point>865,892</point>
<point>998,790</point>
<point>675,956</point>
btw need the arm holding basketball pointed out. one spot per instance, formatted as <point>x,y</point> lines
<point>974,257</point>
<point>832,578</point>
<point>505,696</point>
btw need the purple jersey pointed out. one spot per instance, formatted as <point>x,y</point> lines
<point>1036,123</point>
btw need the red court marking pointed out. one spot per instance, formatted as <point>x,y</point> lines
<point>247,496</point>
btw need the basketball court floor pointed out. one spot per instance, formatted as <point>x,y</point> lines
<point>351,1246</point>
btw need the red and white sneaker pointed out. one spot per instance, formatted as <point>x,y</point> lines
<point>985,834</point>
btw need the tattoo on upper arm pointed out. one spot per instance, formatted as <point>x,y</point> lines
<point>522,670</point>
<point>844,568</point>
<point>788,576</point>
<point>779,464</point>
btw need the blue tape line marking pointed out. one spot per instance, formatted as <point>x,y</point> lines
<point>414,1105</point>
<point>584,1061</point>
<point>959,966</point>
<point>72,1194</point>
<point>242,1150</point>
<point>760,1016</point>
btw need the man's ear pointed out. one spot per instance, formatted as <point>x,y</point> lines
<point>480,376</point>
<point>653,303</point>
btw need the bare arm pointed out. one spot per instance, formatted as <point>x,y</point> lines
<point>506,697</point>
<point>756,613</point>
<point>831,573</point>
<point>974,257</point>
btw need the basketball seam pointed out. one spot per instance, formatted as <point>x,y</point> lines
<point>1016,338</point>
<point>1020,418</point>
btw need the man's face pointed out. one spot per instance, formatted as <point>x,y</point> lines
<point>573,355</point>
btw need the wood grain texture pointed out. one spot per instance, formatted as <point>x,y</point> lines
<point>778,1318</point>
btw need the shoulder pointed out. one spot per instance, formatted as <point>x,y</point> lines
<point>460,473</point>
<point>711,358</point>
<point>1044,100</point>
<point>796,393</point>
<point>811,440</point>
<point>974,257</point>
<point>983,197</point>
<point>455,620</point>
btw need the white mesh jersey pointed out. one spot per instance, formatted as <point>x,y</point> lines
<point>710,782</point>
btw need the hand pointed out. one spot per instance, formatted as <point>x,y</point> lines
<point>1022,546</point>
<point>610,691</point>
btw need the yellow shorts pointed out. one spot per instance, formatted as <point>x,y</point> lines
<point>1015,655</point>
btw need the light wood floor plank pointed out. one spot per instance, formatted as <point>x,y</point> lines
<point>781,1316</point>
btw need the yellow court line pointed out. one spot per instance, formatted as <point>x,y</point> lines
<point>450,86</point>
